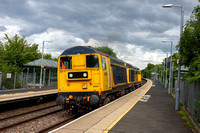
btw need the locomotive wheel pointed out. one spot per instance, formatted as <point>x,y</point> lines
<point>111,97</point>
<point>106,101</point>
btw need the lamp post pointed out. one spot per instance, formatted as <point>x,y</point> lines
<point>179,61</point>
<point>170,74</point>
<point>166,72</point>
<point>41,63</point>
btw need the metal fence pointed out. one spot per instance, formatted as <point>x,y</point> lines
<point>24,80</point>
<point>189,97</point>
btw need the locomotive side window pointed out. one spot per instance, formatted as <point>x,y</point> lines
<point>139,72</point>
<point>119,74</point>
<point>104,63</point>
<point>131,75</point>
<point>66,62</point>
<point>92,61</point>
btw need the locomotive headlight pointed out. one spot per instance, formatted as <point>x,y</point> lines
<point>70,75</point>
<point>84,75</point>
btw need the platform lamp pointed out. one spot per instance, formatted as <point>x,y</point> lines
<point>179,61</point>
<point>170,74</point>
<point>41,63</point>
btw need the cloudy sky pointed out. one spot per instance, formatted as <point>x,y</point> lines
<point>133,28</point>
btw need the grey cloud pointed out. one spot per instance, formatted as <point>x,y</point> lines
<point>2,28</point>
<point>106,21</point>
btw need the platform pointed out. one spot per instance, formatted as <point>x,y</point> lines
<point>104,118</point>
<point>19,94</point>
<point>157,115</point>
<point>153,112</point>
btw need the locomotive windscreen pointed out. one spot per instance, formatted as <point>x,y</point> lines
<point>92,61</point>
<point>66,62</point>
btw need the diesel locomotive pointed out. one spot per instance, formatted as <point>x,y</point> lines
<point>88,78</point>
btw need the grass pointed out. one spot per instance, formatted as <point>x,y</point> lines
<point>185,117</point>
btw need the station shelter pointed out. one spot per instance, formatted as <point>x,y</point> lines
<point>48,76</point>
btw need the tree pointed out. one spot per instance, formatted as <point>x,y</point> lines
<point>189,45</point>
<point>15,52</point>
<point>49,57</point>
<point>107,50</point>
<point>147,72</point>
<point>1,55</point>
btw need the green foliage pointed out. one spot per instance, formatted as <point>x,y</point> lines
<point>1,55</point>
<point>107,50</point>
<point>8,83</point>
<point>157,69</point>
<point>15,52</point>
<point>196,109</point>
<point>185,117</point>
<point>49,57</point>
<point>147,72</point>
<point>189,46</point>
<point>175,57</point>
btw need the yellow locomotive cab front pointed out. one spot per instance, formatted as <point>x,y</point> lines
<point>79,73</point>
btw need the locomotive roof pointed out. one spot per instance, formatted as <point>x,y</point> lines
<point>89,50</point>
<point>80,50</point>
<point>131,66</point>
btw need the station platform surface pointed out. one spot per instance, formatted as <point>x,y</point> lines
<point>16,94</point>
<point>157,115</point>
<point>133,113</point>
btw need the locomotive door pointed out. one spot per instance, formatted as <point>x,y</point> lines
<point>105,73</point>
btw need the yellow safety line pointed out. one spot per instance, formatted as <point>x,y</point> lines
<point>122,115</point>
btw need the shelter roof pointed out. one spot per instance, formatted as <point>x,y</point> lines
<point>46,63</point>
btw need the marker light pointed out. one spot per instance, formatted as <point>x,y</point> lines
<point>88,98</point>
<point>70,97</point>
<point>84,98</point>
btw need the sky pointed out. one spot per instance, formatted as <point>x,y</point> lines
<point>134,29</point>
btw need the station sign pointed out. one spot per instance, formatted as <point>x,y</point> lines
<point>8,76</point>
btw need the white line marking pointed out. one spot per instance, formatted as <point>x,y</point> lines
<point>145,98</point>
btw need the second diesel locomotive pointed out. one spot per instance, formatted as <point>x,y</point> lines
<point>88,78</point>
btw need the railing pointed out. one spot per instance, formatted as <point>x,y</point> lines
<point>190,98</point>
<point>24,80</point>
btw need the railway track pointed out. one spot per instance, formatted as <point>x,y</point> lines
<point>36,120</point>
<point>39,118</point>
<point>58,124</point>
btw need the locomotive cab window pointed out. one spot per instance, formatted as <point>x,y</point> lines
<point>92,61</point>
<point>66,62</point>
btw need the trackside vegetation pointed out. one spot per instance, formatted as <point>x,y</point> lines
<point>16,51</point>
<point>107,50</point>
